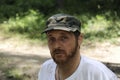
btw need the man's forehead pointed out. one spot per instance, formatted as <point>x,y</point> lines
<point>61,32</point>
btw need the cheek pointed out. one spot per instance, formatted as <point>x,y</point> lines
<point>50,47</point>
<point>69,46</point>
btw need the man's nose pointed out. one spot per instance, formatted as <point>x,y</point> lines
<point>57,45</point>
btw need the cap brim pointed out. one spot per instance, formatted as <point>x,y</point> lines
<point>60,28</point>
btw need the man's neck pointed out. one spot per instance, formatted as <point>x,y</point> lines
<point>67,69</point>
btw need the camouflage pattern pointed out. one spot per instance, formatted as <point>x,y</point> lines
<point>63,22</point>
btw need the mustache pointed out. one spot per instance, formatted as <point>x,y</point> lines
<point>57,51</point>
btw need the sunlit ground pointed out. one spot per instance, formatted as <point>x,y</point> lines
<point>21,60</point>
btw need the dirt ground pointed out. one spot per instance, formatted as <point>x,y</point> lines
<point>28,57</point>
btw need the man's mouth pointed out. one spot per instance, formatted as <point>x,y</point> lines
<point>58,51</point>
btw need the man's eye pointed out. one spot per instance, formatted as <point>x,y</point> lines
<point>51,39</point>
<point>64,38</point>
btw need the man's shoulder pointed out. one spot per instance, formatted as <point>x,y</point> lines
<point>91,62</point>
<point>94,65</point>
<point>97,68</point>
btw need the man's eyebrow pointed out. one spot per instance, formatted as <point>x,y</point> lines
<point>49,35</point>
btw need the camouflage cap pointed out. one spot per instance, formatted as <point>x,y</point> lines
<point>62,22</point>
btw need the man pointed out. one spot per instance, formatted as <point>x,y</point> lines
<point>64,39</point>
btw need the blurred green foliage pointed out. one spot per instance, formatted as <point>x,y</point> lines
<point>100,18</point>
<point>101,27</point>
<point>16,74</point>
<point>32,23</point>
<point>10,8</point>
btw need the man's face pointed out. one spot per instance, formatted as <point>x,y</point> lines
<point>62,44</point>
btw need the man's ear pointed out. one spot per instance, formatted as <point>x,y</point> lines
<point>80,38</point>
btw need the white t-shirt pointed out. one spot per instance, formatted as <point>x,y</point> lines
<point>88,69</point>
